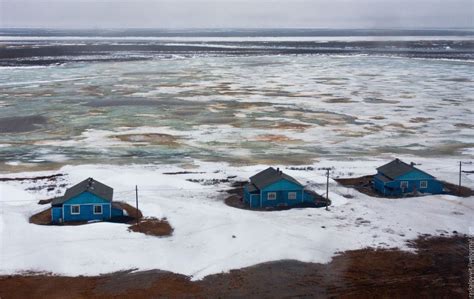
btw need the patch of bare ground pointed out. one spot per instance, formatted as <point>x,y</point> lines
<point>339,100</point>
<point>150,138</point>
<point>132,212</point>
<point>455,190</point>
<point>96,112</point>
<point>281,125</point>
<point>421,119</point>
<point>48,183</point>
<point>401,128</point>
<point>183,172</point>
<point>52,177</point>
<point>275,138</point>
<point>464,126</point>
<point>378,117</point>
<point>373,128</point>
<point>153,227</point>
<point>349,133</point>
<point>437,269</point>
<point>374,100</point>
<point>280,158</point>
<point>364,185</point>
<point>41,218</point>
<point>290,126</point>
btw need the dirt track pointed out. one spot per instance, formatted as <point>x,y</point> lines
<point>439,269</point>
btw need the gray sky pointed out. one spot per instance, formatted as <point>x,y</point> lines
<point>237,13</point>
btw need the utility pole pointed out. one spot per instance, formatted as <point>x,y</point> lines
<point>136,202</point>
<point>327,186</point>
<point>460,171</point>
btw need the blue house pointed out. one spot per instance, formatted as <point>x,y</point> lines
<point>272,188</point>
<point>87,201</point>
<point>398,178</point>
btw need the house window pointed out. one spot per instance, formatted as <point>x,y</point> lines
<point>75,210</point>
<point>98,209</point>
<point>424,184</point>
<point>403,184</point>
<point>272,196</point>
<point>291,195</point>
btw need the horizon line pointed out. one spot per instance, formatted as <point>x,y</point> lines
<point>235,28</point>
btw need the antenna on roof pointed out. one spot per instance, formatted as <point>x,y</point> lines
<point>90,183</point>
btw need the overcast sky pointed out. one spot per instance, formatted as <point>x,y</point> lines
<point>237,13</point>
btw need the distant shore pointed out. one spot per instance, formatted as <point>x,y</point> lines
<point>57,50</point>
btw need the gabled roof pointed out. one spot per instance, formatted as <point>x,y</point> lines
<point>397,168</point>
<point>270,176</point>
<point>88,185</point>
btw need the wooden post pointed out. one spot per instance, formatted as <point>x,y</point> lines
<point>136,202</point>
<point>327,189</point>
<point>460,170</point>
<point>327,186</point>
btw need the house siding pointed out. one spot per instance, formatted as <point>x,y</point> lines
<point>86,201</point>
<point>282,189</point>
<point>57,214</point>
<point>254,201</point>
<point>308,197</point>
<point>413,179</point>
<point>379,185</point>
<point>415,175</point>
<point>116,212</point>
<point>251,199</point>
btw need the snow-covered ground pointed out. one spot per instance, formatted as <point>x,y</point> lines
<point>203,242</point>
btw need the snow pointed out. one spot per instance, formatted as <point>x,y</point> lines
<point>202,241</point>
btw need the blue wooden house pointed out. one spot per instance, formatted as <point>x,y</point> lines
<point>398,178</point>
<point>272,188</point>
<point>87,201</point>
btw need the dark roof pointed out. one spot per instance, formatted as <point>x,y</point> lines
<point>270,176</point>
<point>397,168</point>
<point>382,178</point>
<point>88,185</point>
<point>251,188</point>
